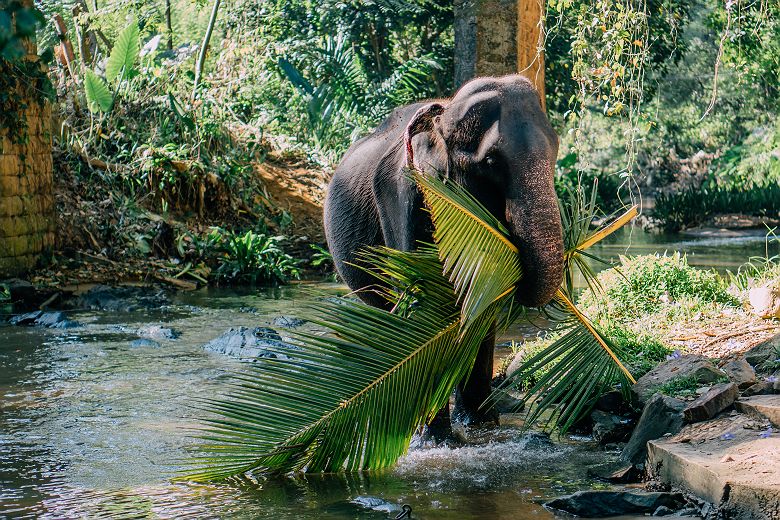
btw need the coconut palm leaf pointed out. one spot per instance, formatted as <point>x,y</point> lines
<point>577,213</point>
<point>577,367</point>
<point>477,255</point>
<point>575,370</point>
<point>353,399</point>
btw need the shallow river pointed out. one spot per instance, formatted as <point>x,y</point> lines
<point>93,427</point>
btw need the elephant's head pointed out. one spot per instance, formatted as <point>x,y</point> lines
<point>494,138</point>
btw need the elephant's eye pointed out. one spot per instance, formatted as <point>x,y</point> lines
<point>490,160</point>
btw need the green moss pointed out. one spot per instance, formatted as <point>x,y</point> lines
<point>683,386</point>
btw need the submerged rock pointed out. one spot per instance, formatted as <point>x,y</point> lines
<point>662,415</point>
<point>692,365</point>
<point>249,344</point>
<point>25,319</point>
<point>158,332</point>
<point>144,343</point>
<point>121,299</point>
<point>287,322</point>
<point>52,320</point>
<point>601,504</point>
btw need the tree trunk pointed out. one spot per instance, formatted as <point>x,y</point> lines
<point>530,43</point>
<point>497,37</point>
<point>168,24</point>
<point>204,48</point>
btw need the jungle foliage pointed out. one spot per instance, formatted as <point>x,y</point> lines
<point>631,88</point>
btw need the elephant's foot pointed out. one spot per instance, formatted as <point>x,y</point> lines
<point>475,417</point>
<point>439,432</point>
<point>469,412</point>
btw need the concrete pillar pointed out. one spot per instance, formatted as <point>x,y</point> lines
<point>497,37</point>
<point>26,190</point>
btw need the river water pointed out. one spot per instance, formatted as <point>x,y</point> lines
<point>93,425</point>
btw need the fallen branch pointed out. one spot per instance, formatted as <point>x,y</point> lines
<point>739,333</point>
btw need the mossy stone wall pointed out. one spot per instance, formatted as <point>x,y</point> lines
<point>26,192</point>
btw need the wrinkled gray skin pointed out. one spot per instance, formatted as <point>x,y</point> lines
<point>492,137</point>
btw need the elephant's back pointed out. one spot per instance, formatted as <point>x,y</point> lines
<point>350,189</point>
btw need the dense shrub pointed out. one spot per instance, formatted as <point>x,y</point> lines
<point>641,285</point>
<point>693,206</point>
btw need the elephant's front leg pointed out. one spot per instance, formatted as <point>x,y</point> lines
<point>469,395</point>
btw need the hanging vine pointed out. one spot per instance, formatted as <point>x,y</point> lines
<point>23,80</point>
<point>22,83</point>
<point>611,48</point>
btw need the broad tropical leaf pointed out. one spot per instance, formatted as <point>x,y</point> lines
<point>99,98</point>
<point>477,255</point>
<point>124,54</point>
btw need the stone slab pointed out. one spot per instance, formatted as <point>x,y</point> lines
<point>732,461</point>
<point>767,406</point>
<point>714,401</point>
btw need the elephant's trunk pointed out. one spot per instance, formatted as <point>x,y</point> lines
<point>535,225</point>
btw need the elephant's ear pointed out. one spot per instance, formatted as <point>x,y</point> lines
<point>421,122</point>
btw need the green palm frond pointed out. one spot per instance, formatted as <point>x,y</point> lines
<point>576,369</point>
<point>352,399</point>
<point>346,402</point>
<point>577,213</point>
<point>477,255</point>
<point>582,363</point>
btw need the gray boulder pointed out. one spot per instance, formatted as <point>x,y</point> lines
<point>661,415</point>
<point>287,322</point>
<point>121,299</point>
<point>691,365</point>
<point>600,504</point>
<point>764,352</point>
<point>51,320</point>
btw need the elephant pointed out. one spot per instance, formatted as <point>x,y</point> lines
<point>493,138</point>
